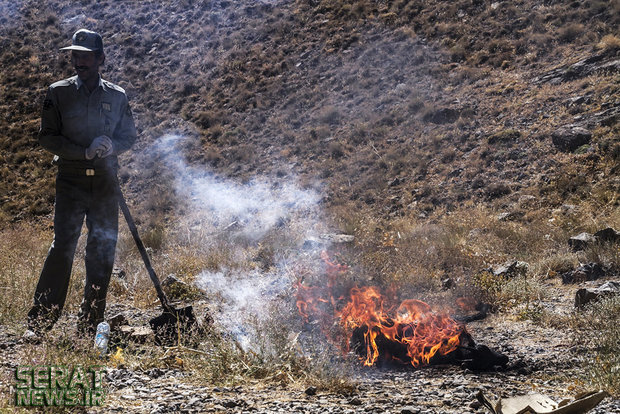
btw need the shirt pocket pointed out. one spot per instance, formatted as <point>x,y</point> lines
<point>74,124</point>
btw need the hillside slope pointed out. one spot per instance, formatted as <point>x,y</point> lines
<point>399,107</point>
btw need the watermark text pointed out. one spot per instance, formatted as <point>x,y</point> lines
<point>58,385</point>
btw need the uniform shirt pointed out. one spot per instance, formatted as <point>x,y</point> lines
<point>73,116</point>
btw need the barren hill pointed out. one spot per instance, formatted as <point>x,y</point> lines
<point>400,107</point>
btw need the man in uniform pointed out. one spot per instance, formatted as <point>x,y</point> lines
<point>86,122</point>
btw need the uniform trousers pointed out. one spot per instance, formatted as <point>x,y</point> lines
<point>78,197</point>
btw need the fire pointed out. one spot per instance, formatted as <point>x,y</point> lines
<point>410,332</point>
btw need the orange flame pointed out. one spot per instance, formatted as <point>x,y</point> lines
<point>413,325</point>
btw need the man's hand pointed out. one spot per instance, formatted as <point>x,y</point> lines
<point>100,147</point>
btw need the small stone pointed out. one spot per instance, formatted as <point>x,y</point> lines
<point>609,235</point>
<point>475,404</point>
<point>119,273</point>
<point>447,283</point>
<point>117,321</point>
<point>410,410</point>
<point>138,334</point>
<point>511,269</point>
<point>338,238</point>
<point>230,404</point>
<point>355,401</point>
<point>155,373</point>
<point>311,390</point>
<point>570,137</point>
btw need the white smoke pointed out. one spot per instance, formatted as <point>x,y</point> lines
<point>244,299</point>
<point>270,212</point>
<point>254,208</point>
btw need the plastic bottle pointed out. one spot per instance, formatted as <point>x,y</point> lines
<point>102,337</point>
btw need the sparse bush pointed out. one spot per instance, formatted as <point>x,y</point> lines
<point>598,329</point>
<point>505,136</point>
<point>609,43</point>
<point>495,190</point>
<point>571,32</point>
<point>505,293</point>
<point>556,264</point>
<point>207,119</point>
<point>330,115</point>
<point>457,53</point>
<point>242,153</point>
<point>22,251</point>
<point>336,149</point>
<point>154,237</point>
<point>415,104</point>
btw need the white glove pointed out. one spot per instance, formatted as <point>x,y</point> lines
<point>100,147</point>
<point>108,151</point>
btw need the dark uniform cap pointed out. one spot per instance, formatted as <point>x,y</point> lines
<point>86,41</point>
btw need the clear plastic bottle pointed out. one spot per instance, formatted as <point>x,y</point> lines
<point>102,337</point>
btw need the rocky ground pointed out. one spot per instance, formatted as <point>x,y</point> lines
<point>542,359</point>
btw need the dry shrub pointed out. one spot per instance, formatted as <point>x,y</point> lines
<point>556,263</point>
<point>571,32</point>
<point>506,136</point>
<point>22,252</point>
<point>609,43</point>
<point>597,329</point>
<point>154,237</point>
<point>416,103</point>
<point>330,115</point>
<point>336,149</point>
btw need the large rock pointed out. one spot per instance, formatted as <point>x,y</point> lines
<point>584,273</point>
<point>581,241</point>
<point>139,334</point>
<point>570,137</point>
<point>511,269</point>
<point>587,295</point>
<point>608,235</point>
<point>176,289</point>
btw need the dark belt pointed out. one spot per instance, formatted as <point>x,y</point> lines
<point>88,172</point>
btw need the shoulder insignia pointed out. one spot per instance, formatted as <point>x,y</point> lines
<point>113,86</point>
<point>48,104</point>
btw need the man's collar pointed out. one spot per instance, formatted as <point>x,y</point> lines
<point>79,83</point>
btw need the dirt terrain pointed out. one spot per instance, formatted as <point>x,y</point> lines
<point>542,360</point>
<point>421,143</point>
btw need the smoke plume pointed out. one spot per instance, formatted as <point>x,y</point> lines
<point>266,214</point>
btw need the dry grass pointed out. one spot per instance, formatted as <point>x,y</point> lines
<point>22,250</point>
<point>461,245</point>
<point>208,357</point>
<point>597,331</point>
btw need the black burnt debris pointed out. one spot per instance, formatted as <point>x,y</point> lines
<point>467,353</point>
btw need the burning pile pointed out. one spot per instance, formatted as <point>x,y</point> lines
<point>366,323</point>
